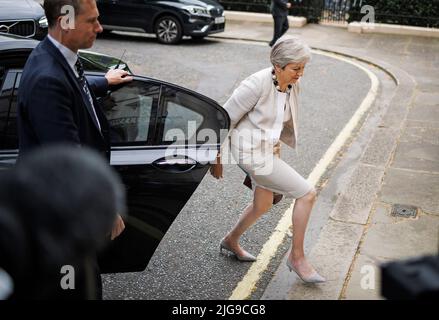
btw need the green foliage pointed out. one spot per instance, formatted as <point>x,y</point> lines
<point>423,13</point>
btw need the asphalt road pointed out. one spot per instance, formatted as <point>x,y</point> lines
<point>187,263</point>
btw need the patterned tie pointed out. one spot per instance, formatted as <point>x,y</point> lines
<point>84,86</point>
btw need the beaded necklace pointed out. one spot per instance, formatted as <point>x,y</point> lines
<point>276,83</point>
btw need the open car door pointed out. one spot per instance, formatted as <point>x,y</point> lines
<point>163,140</point>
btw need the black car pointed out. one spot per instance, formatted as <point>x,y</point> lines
<point>163,138</point>
<point>23,17</point>
<point>170,20</point>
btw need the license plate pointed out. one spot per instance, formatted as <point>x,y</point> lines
<point>220,20</point>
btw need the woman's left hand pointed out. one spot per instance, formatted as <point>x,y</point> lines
<point>276,149</point>
<point>216,169</point>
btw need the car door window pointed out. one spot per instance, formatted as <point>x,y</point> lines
<point>2,75</point>
<point>131,111</point>
<point>8,105</point>
<point>180,118</point>
<point>184,115</point>
<point>12,129</point>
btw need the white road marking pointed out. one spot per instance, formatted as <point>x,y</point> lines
<point>248,284</point>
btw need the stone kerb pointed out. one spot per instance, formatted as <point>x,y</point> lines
<point>363,27</point>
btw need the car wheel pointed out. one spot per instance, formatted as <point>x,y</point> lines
<point>168,30</point>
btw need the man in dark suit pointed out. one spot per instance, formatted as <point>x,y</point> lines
<point>279,10</point>
<point>56,104</point>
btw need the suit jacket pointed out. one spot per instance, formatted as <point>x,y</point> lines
<point>251,109</point>
<point>53,109</point>
<point>279,8</point>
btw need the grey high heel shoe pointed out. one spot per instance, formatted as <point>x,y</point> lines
<point>313,278</point>
<point>246,257</point>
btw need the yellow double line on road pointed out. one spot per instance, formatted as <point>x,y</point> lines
<point>248,284</point>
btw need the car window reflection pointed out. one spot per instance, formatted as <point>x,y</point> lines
<point>7,102</point>
<point>129,111</point>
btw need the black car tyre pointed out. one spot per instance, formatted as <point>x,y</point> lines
<point>168,30</point>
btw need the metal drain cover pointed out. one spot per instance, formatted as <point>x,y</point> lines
<point>404,211</point>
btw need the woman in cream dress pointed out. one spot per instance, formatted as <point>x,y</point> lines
<point>263,111</point>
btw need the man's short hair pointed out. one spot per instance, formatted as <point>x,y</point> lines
<point>52,9</point>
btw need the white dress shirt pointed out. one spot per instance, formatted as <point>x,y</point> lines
<point>70,56</point>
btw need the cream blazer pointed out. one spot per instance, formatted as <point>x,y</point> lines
<point>252,111</point>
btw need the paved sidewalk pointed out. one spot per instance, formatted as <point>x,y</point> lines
<point>393,160</point>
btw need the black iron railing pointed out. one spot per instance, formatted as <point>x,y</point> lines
<point>311,9</point>
<point>406,12</point>
<point>335,11</point>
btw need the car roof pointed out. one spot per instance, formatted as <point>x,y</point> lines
<point>13,44</point>
<point>9,41</point>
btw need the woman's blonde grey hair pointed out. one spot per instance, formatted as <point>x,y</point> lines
<point>289,49</point>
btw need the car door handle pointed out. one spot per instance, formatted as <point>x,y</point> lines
<point>186,161</point>
<point>177,165</point>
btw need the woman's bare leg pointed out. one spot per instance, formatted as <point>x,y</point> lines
<point>301,212</point>
<point>262,202</point>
